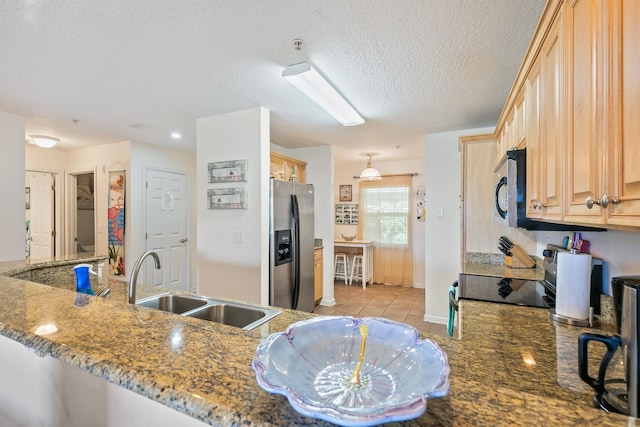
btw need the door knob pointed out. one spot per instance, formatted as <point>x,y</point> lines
<point>183,240</point>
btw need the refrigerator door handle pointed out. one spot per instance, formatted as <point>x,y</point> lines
<point>295,215</point>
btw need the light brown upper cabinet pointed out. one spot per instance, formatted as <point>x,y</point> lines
<point>581,80</point>
<point>544,141</point>
<point>585,101</point>
<point>534,181</point>
<point>283,166</point>
<point>603,150</point>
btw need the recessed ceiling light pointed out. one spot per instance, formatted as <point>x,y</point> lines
<point>176,135</point>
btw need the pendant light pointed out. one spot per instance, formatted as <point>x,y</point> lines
<point>370,173</point>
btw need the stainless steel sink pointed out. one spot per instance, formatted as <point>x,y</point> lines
<point>245,316</point>
<point>173,303</point>
<point>233,315</point>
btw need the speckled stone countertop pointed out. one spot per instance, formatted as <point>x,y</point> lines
<point>483,264</point>
<point>208,375</point>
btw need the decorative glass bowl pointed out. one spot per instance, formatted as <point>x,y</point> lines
<point>312,363</point>
<point>348,238</point>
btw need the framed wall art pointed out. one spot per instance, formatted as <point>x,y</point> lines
<point>231,171</point>
<point>345,193</point>
<point>227,198</point>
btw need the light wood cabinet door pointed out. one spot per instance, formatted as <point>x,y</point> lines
<point>623,164</point>
<point>552,122</point>
<point>317,275</point>
<point>532,131</point>
<point>585,154</point>
<point>283,166</point>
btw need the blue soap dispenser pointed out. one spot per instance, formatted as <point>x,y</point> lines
<point>83,284</point>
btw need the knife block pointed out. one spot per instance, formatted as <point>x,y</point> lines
<point>514,262</point>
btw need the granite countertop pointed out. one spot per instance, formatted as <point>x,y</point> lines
<point>209,375</point>
<point>483,264</point>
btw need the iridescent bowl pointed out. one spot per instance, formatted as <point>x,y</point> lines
<point>312,363</point>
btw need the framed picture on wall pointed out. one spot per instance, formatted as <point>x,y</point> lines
<point>345,193</point>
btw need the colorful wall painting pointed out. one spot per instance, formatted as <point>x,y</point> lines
<point>116,222</point>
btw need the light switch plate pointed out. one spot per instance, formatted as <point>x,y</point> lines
<point>238,236</point>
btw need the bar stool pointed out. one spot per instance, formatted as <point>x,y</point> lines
<point>341,267</point>
<point>356,268</point>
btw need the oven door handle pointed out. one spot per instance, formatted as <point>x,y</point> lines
<point>499,185</point>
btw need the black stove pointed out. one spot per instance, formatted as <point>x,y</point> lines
<point>503,290</point>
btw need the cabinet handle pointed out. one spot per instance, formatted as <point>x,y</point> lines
<point>536,205</point>
<point>614,200</point>
<point>603,201</point>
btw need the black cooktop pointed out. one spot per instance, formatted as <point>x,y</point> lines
<point>502,290</point>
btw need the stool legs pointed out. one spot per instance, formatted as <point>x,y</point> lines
<point>356,269</point>
<point>341,267</point>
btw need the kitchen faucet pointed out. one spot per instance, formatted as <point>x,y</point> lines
<point>136,269</point>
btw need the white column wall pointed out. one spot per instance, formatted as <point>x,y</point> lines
<point>12,208</point>
<point>442,235</point>
<point>227,267</point>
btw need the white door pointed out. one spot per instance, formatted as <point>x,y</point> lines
<point>167,224</point>
<point>41,214</point>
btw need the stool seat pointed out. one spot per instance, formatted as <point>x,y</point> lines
<point>341,267</point>
<point>356,268</point>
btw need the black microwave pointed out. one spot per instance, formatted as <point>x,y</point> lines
<point>510,195</point>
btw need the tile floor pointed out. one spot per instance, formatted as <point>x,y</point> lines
<point>391,302</point>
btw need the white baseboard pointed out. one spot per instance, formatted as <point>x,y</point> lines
<point>418,285</point>
<point>328,303</point>
<point>436,319</point>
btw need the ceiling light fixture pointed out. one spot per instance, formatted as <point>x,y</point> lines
<point>370,173</point>
<point>44,141</point>
<point>176,135</point>
<point>310,82</point>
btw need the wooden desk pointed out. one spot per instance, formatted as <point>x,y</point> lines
<point>367,256</point>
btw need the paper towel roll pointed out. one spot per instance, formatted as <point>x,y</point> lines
<point>573,285</point>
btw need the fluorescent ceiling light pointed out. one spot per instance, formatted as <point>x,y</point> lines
<point>176,135</point>
<point>44,141</point>
<point>311,83</point>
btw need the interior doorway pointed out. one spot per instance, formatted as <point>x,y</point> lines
<point>167,227</point>
<point>40,215</point>
<point>81,236</point>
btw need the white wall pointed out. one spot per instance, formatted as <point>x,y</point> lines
<point>344,173</point>
<point>620,251</point>
<point>442,235</point>
<point>226,267</point>
<point>43,391</point>
<point>102,159</point>
<point>319,172</point>
<point>12,208</point>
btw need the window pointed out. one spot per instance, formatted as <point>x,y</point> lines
<point>385,219</point>
<point>385,215</point>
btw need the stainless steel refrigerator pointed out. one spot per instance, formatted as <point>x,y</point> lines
<point>291,239</point>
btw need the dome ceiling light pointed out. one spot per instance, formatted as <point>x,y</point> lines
<point>44,141</point>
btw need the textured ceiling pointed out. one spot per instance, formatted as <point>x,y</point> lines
<point>138,70</point>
